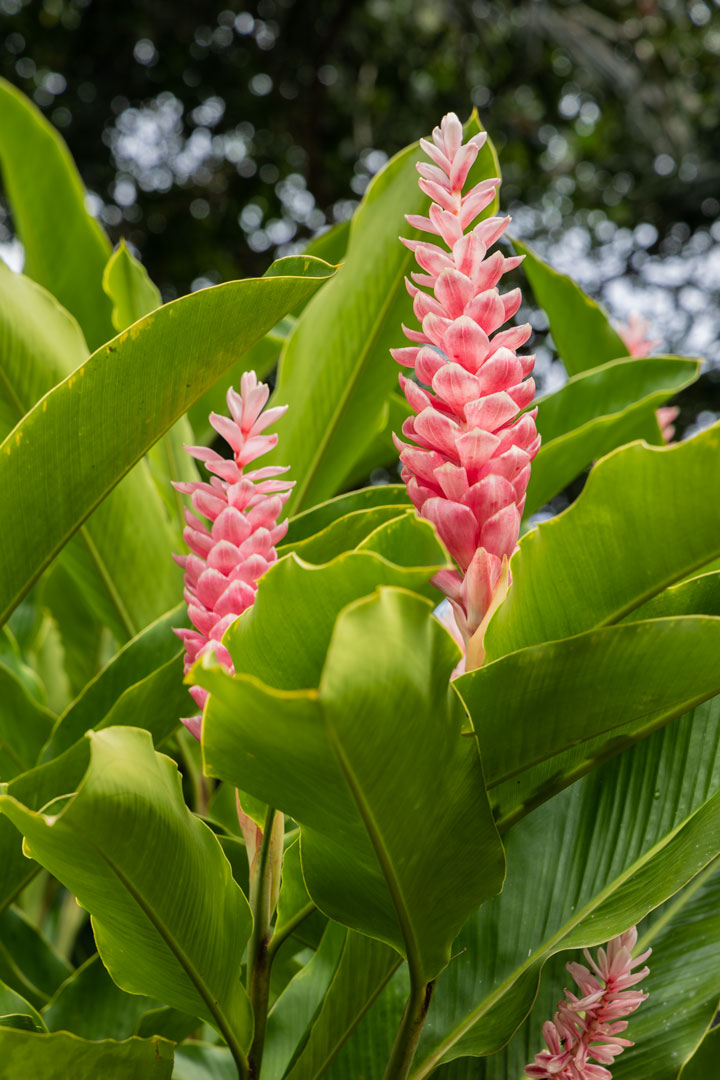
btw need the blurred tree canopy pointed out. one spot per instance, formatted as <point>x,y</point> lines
<point>213,135</point>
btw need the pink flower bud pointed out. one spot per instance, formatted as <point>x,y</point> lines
<point>242,507</point>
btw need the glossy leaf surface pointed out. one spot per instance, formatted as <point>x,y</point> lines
<point>166,911</point>
<point>645,520</point>
<point>410,880</point>
<point>97,423</point>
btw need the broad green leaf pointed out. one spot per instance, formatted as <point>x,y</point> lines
<point>319,517</point>
<point>289,653</point>
<point>65,248</point>
<point>118,560</point>
<point>126,282</point>
<point>597,411</point>
<point>60,1056</point>
<point>261,359</point>
<point>335,371</point>
<point>330,245</point>
<point>34,789</point>
<point>166,912</point>
<point>412,879</point>
<point>705,1057</point>
<point>203,1061</point>
<point>91,1005</point>
<point>382,452</point>
<point>150,651</point>
<point>16,1011</point>
<point>580,328</point>
<point>28,963</point>
<point>97,423</point>
<point>85,639</point>
<point>363,972</point>
<point>582,868</point>
<point>697,596</point>
<point>645,520</point>
<point>24,726</point>
<point>547,714</point>
<point>296,1007</point>
<point>683,984</point>
<point>344,533</point>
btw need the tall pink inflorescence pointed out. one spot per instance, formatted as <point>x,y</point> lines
<point>228,556</point>
<point>588,1028</point>
<point>468,463</point>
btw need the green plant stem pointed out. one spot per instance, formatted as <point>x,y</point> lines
<point>279,939</point>
<point>259,956</point>
<point>408,1034</point>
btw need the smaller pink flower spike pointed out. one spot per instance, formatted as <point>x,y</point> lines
<point>467,463</point>
<point>589,1027</point>
<point>229,555</point>
<point>636,336</point>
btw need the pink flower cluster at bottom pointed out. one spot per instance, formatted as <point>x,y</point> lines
<point>588,1028</point>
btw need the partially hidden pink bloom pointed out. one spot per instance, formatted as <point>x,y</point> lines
<point>588,1028</point>
<point>230,553</point>
<point>467,464</point>
<point>635,333</point>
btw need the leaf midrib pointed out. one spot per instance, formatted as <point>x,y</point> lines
<point>178,952</point>
<point>414,956</point>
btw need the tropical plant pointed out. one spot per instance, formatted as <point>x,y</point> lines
<point>364,866</point>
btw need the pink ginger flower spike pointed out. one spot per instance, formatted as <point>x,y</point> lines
<point>468,464</point>
<point>242,506</point>
<point>589,1027</point>
<point>636,336</point>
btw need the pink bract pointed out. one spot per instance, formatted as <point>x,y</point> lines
<point>468,462</point>
<point>228,556</point>
<point>588,1028</point>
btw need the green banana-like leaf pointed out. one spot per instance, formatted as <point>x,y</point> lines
<point>335,371</point>
<point>296,1007</point>
<point>34,788</point>
<point>16,1011</point>
<point>65,248</point>
<point>311,521</point>
<point>705,1058</point>
<point>118,560</point>
<point>363,972</point>
<point>85,639</point>
<point>60,1055</point>
<point>152,649</point>
<point>546,715</point>
<point>696,596</point>
<point>580,328</point>
<point>289,653</point>
<point>28,962</point>
<point>645,520</point>
<point>347,533</point>
<point>126,283</point>
<point>382,452</point>
<point>597,411</point>
<point>97,423</point>
<point>167,916</point>
<point>24,726</point>
<point>584,867</point>
<point>683,984</point>
<point>134,295</point>
<point>407,879</point>
<point>293,901</point>
<point>203,1061</point>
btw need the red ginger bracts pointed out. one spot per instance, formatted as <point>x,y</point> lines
<point>227,558</point>
<point>589,1027</point>
<point>468,465</point>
